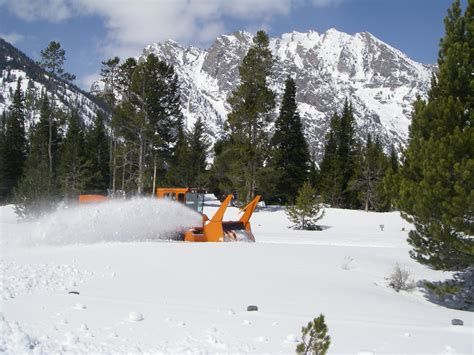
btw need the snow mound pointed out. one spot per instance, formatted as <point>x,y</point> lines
<point>141,219</point>
<point>18,280</point>
<point>14,340</point>
<point>135,316</point>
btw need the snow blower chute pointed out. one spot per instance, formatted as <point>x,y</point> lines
<point>211,230</point>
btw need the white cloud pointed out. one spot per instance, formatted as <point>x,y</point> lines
<point>87,80</point>
<point>49,10</point>
<point>323,3</point>
<point>13,37</point>
<point>131,24</point>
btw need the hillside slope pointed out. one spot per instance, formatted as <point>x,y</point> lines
<point>15,64</point>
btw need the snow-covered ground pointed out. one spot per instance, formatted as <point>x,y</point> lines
<point>137,294</point>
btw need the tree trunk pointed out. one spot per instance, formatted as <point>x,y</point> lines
<point>140,164</point>
<point>50,153</point>
<point>123,172</point>
<point>114,165</point>
<point>154,178</point>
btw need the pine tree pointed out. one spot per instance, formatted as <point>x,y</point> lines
<point>73,169</point>
<point>339,166</point>
<point>98,155</point>
<point>148,119</point>
<point>220,182</point>
<point>330,170</point>
<point>37,191</point>
<point>252,104</point>
<point>179,173</point>
<point>110,76</point>
<point>437,175</point>
<point>36,194</point>
<point>315,339</point>
<point>198,150</point>
<point>52,60</point>
<point>3,123</point>
<point>14,147</point>
<point>369,182</point>
<point>307,210</point>
<point>290,156</point>
<point>393,158</point>
<point>347,155</point>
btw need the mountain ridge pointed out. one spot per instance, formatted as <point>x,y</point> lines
<point>15,64</point>
<point>380,80</point>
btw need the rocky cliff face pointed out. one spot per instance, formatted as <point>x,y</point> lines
<point>380,81</point>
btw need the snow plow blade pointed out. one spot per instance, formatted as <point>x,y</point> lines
<point>217,230</point>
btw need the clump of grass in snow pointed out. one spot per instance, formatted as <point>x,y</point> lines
<point>400,279</point>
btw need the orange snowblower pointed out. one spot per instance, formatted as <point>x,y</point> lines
<point>214,229</point>
<point>211,230</point>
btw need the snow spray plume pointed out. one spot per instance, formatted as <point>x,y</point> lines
<point>140,219</point>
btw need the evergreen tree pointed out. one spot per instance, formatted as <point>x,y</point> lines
<point>252,104</point>
<point>329,175</point>
<point>198,150</point>
<point>347,156</point>
<point>315,339</point>
<point>37,191</point>
<point>220,182</point>
<point>14,147</point>
<point>390,182</point>
<point>149,118</point>
<point>369,182</point>
<point>339,164</point>
<point>123,129</point>
<point>307,210</point>
<point>3,123</point>
<point>179,173</point>
<point>98,155</point>
<point>110,75</point>
<point>73,169</point>
<point>437,175</point>
<point>36,194</point>
<point>290,156</point>
<point>52,60</point>
<point>393,158</point>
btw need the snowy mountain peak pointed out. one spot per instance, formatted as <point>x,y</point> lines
<point>381,81</point>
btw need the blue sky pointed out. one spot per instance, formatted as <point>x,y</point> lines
<point>93,30</point>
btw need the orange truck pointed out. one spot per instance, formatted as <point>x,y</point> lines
<point>211,230</point>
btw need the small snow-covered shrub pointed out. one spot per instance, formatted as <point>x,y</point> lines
<point>400,280</point>
<point>307,210</point>
<point>346,264</point>
<point>314,338</point>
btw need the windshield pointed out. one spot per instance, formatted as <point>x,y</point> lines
<point>195,201</point>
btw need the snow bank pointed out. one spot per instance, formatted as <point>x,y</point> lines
<point>17,280</point>
<point>143,219</point>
